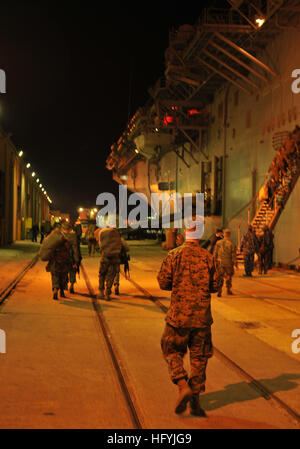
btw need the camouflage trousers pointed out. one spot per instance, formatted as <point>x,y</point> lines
<point>91,246</point>
<point>72,276</point>
<point>59,280</point>
<point>249,262</point>
<point>117,277</point>
<point>226,272</point>
<point>174,344</point>
<point>265,261</point>
<point>107,273</point>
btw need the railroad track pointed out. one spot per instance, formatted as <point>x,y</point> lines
<point>116,361</point>
<point>12,285</point>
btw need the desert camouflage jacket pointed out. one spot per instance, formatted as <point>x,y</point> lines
<point>190,273</point>
<point>225,252</point>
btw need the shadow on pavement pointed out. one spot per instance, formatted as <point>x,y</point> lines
<point>243,391</point>
<point>151,307</point>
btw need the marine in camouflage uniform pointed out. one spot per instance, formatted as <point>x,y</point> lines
<point>249,247</point>
<point>125,249</point>
<point>75,255</point>
<point>62,262</point>
<point>110,248</point>
<point>265,251</point>
<point>225,255</point>
<point>190,273</point>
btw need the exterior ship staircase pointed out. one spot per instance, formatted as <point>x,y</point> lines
<point>280,182</point>
<point>278,185</point>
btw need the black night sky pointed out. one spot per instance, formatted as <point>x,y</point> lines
<point>68,67</point>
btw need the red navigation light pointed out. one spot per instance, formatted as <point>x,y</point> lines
<point>193,111</point>
<point>168,119</point>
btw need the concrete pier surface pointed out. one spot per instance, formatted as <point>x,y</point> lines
<point>57,372</point>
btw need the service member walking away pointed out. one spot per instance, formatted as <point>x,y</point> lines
<point>225,255</point>
<point>58,249</point>
<point>124,258</point>
<point>90,238</point>
<point>43,231</point>
<point>35,231</point>
<point>249,247</point>
<point>75,255</point>
<point>110,248</point>
<point>189,272</point>
<point>218,235</point>
<point>265,251</point>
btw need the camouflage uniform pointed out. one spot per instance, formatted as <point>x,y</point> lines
<point>90,238</point>
<point>59,266</point>
<point>189,272</point>
<point>110,248</point>
<point>117,277</point>
<point>249,247</point>
<point>225,254</point>
<point>265,251</point>
<point>75,255</point>
<point>62,261</point>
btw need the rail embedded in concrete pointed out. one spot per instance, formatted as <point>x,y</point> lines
<point>12,285</point>
<point>120,371</point>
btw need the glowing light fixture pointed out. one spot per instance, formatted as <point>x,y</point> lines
<point>136,150</point>
<point>28,165</point>
<point>20,154</point>
<point>80,209</point>
<point>37,180</point>
<point>41,185</point>
<point>33,174</point>
<point>259,20</point>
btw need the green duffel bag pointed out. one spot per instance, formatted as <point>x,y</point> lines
<point>51,242</point>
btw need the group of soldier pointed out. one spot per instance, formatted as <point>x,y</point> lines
<point>225,252</point>
<point>65,257</point>
<point>284,163</point>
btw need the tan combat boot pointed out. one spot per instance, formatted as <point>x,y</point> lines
<point>185,395</point>
<point>195,406</point>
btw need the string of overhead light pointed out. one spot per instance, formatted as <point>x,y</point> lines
<point>37,179</point>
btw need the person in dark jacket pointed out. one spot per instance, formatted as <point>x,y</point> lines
<point>35,231</point>
<point>78,230</point>
<point>90,238</point>
<point>215,238</point>
<point>265,252</point>
<point>43,231</point>
<point>249,247</point>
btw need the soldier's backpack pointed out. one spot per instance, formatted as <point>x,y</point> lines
<point>49,245</point>
<point>110,242</point>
